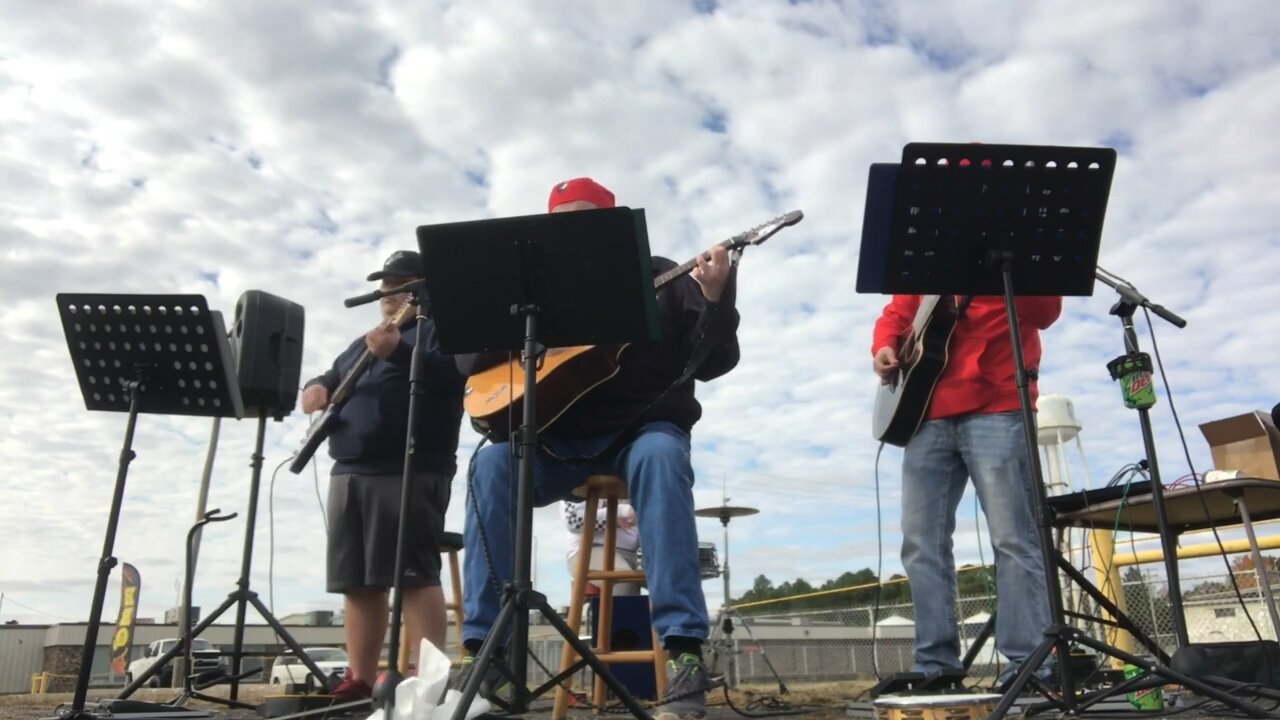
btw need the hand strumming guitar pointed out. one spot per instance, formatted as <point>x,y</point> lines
<point>712,272</point>
<point>885,364</point>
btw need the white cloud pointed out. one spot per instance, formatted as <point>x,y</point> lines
<point>289,147</point>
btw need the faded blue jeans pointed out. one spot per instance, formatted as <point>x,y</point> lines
<point>659,475</point>
<point>936,466</point>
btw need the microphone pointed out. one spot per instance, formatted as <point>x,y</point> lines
<point>363,299</point>
<point>413,286</point>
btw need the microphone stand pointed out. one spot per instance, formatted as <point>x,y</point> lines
<point>384,691</point>
<point>1133,370</point>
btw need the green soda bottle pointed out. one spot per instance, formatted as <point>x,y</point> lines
<point>1134,373</point>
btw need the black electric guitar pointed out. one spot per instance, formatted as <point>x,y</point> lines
<point>902,402</point>
<point>323,425</point>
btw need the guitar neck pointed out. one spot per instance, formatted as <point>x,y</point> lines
<point>349,382</point>
<point>366,357</point>
<point>686,267</point>
<point>754,236</point>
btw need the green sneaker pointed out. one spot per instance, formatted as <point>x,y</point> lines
<point>495,687</point>
<point>685,696</point>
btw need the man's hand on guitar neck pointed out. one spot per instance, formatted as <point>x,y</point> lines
<point>315,398</point>
<point>382,341</point>
<point>885,364</point>
<point>712,272</point>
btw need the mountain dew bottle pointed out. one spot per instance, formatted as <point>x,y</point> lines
<point>1134,373</point>
<point>1150,699</point>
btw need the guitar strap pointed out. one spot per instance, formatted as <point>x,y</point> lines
<point>701,350</point>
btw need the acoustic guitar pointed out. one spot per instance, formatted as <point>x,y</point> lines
<point>901,403</point>
<point>567,374</point>
<point>323,425</point>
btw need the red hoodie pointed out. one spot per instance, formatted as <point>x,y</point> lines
<point>979,377</point>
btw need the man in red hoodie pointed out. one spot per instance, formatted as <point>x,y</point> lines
<point>972,429</point>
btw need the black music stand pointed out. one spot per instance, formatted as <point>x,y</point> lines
<point>527,283</point>
<point>168,355</point>
<point>160,354</point>
<point>970,219</point>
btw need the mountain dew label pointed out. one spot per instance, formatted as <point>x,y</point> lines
<point>1148,699</point>
<point>1134,373</point>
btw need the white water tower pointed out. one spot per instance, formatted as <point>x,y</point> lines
<point>1057,425</point>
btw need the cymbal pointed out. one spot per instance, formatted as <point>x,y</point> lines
<point>724,511</point>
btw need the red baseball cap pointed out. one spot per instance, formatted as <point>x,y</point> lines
<point>583,188</point>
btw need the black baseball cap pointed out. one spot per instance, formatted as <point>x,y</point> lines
<point>401,263</point>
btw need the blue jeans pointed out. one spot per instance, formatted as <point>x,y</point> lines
<point>935,467</point>
<point>659,478</point>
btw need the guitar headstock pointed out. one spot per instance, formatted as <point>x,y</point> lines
<point>765,230</point>
<point>403,312</point>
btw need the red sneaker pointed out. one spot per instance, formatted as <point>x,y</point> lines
<point>351,690</point>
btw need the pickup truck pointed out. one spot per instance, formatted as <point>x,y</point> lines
<point>204,656</point>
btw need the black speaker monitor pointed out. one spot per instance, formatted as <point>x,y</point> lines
<point>267,341</point>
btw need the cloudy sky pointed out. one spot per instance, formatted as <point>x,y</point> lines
<point>215,148</point>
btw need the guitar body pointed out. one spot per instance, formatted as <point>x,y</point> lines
<point>493,396</point>
<point>316,435</point>
<point>901,404</point>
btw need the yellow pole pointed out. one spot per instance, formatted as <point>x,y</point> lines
<point>1107,571</point>
<point>1270,542</point>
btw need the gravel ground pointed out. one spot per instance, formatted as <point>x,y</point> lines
<point>822,702</point>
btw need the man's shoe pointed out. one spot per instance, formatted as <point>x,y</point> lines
<point>685,697</point>
<point>1045,674</point>
<point>494,687</point>
<point>351,690</point>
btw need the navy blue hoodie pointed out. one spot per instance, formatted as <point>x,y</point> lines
<point>372,426</point>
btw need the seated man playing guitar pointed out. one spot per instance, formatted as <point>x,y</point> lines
<point>971,427</point>
<point>369,387</point>
<point>638,423</point>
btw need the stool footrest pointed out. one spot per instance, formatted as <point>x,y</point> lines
<point>637,575</point>
<point>625,656</point>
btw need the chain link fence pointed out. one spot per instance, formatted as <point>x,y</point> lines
<point>843,643</point>
<point>768,643</point>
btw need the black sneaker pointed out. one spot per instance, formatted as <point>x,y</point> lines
<point>495,687</point>
<point>685,696</point>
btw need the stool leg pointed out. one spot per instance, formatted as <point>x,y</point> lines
<point>604,638</point>
<point>576,599</point>
<point>659,662</point>
<point>402,662</point>
<point>455,578</point>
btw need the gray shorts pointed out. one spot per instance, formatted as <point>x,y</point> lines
<point>364,520</point>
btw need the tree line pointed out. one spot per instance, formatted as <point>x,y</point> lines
<point>972,581</point>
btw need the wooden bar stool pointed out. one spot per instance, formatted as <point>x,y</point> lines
<point>611,488</point>
<point>451,543</point>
